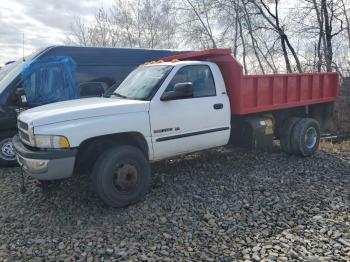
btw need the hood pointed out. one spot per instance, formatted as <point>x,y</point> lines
<point>81,108</point>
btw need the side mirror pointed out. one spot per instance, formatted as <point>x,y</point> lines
<point>181,91</point>
<point>21,97</point>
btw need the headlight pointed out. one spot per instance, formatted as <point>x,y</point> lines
<point>31,136</point>
<point>46,141</point>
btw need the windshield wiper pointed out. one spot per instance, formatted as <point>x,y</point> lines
<point>119,95</point>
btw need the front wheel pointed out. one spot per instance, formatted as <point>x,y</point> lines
<point>121,176</point>
<point>7,152</point>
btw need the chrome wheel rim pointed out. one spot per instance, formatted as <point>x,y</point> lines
<point>125,177</point>
<point>7,151</point>
<point>310,137</point>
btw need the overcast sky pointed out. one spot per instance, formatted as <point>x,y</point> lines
<point>43,22</point>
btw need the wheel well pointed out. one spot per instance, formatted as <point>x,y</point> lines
<point>90,149</point>
<point>8,133</point>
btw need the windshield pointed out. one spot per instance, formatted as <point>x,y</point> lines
<point>8,68</point>
<point>9,72</point>
<point>11,75</point>
<point>141,83</point>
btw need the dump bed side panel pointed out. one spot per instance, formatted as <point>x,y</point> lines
<point>272,92</point>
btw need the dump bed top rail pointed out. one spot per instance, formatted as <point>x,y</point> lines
<point>262,93</point>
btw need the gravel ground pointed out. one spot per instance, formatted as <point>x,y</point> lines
<point>220,205</point>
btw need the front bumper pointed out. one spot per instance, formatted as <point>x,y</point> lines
<point>45,164</point>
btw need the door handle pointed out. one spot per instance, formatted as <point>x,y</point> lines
<point>218,106</point>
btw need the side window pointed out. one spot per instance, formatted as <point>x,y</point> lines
<point>50,79</point>
<point>45,84</point>
<point>92,89</point>
<point>201,78</point>
<point>30,86</point>
<point>16,96</point>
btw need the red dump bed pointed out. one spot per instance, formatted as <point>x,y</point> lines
<point>262,93</point>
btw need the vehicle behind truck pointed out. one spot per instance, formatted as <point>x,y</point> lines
<point>179,105</point>
<point>96,71</point>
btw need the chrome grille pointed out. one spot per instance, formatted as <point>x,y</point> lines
<point>23,130</point>
<point>22,125</point>
<point>24,136</point>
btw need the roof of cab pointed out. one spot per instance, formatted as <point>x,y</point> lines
<point>173,63</point>
<point>109,56</point>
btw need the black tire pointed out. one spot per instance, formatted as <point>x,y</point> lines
<point>121,176</point>
<point>286,134</point>
<point>306,137</point>
<point>6,158</point>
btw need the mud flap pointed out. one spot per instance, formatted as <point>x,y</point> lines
<point>253,133</point>
<point>23,188</point>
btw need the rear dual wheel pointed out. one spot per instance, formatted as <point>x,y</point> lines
<point>300,136</point>
<point>286,134</point>
<point>306,137</point>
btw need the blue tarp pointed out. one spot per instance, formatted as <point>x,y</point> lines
<point>50,79</point>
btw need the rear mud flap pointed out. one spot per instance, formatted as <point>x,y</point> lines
<point>253,133</point>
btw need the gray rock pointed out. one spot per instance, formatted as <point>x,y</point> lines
<point>246,256</point>
<point>293,254</point>
<point>256,248</point>
<point>344,242</point>
<point>61,246</point>
<point>255,257</point>
<point>39,241</point>
<point>163,220</point>
<point>109,251</point>
<point>221,205</point>
<point>167,236</point>
<point>313,259</point>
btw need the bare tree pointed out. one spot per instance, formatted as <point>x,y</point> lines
<point>248,22</point>
<point>273,19</point>
<point>128,24</point>
<point>313,35</point>
<point>327,10</point>
<point>244,48</point>
<point>321,37</point>
<point>101,31</point>
<point>345,6</point>
<point>198,22</point>
<point>142,28</point>
<point>329,17</point>
<point>79,33</point>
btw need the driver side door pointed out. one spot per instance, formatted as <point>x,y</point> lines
<point>190,124</point>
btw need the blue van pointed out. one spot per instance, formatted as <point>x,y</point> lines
<point>97,71</point>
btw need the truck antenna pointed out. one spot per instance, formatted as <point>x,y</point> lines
<point>23,47</point>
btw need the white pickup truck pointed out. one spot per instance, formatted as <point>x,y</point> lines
<point>161,110</point>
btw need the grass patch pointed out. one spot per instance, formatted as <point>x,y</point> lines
<point>343,147</point>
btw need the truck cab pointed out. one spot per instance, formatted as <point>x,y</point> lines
<point>190,111</point>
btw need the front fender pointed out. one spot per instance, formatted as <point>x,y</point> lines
<point>77,131</point>
<point>8,118</point>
